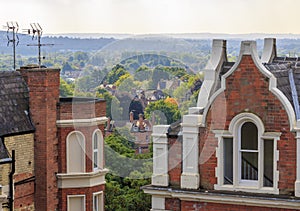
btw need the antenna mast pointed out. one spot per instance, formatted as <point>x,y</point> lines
<point>37,31</point>
<point>13,27</point>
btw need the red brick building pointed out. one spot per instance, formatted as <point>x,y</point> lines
<point>239,149</point>
<point>67,163</point>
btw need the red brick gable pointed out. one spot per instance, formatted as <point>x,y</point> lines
<point>247,90</point>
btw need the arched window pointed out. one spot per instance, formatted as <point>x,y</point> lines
<point>97,150</point>
<point>248,152</point>
<point>75,152</point>
<point>247,156</point>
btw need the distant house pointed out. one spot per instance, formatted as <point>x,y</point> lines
<point>141,129</point>
<point>239,149</point>
<point>58,143</point>
<point>168,84</point>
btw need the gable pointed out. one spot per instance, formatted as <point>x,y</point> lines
<point>247,81</point>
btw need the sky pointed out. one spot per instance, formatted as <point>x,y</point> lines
<point>155,16</point>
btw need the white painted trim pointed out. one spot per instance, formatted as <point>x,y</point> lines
<point>76,196</point>
<point>160,176</point>
<point>81,122</point>
<point>190,178</point>
<point>81,180</point>
<point>101,194</point>
<point>68,153</point>
<point>226,199</point>
<point>249,48</point>
<point>234,130</point>
<point>269,51</point>
<point>100,149</point>
<point>297,182</point>
<point>158,203</point>
<point>218,56</point>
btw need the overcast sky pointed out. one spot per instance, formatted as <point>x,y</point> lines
<point>155,16</point>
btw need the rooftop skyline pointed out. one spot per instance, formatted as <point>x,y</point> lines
<point>155,16</point>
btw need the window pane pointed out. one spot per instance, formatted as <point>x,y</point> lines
<point>76,203</point>
<point>268,162</point>
<point>95,141</point>
<point>249,168</point>
<point>95,160</point>
<point>76,154</point>
<point>228,160</point>
<point>96,203</point>
<point>249,136</point>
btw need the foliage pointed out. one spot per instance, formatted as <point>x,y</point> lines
<point>126,83</point>
<point>127,174</point>
<point>116,72</point>
<point>164,112</point>
<point>65,89</point>
<point>111,111</point>
<point>171,101</point>
<point>143,73</point>
<point>158,73</point>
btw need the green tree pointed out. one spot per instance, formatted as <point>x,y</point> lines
<point>66,67</point>
<point>65,89</point>
<point>113,107</point>
<point>143,73</point>
<point>81,56</point>
<point>159,73</point>
<point>164,112</point>
<point>127,174</point>
<point>116,72</point>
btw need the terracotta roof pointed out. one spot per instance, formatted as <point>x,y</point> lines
<point>14,105</point>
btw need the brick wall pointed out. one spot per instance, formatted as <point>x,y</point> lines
<point>79,109</point>
<point>43,86</point>
<point>172,204</point>
<point>88,192</point>
<point>74,109</point>
<point>23,146</point>
<point>175,161</point>
<point>24,174</point>
<point>247,89</point>
<point>194,206</point>
<point>62,135</point>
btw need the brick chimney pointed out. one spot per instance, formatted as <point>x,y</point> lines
<point>43,84</point>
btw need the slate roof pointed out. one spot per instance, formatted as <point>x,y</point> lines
<point>14,105</point>
<point>287,72</point>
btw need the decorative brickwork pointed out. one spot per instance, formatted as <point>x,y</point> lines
<point>247,90</point>
<point>244,93</point>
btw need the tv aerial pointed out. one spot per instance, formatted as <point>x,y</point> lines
<point>36,31</point>
<point>13,38</point>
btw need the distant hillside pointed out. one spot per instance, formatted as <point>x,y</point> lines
<point>151,61</point>
<point>60,44</point>
<point>251,36</point>
<point>199,44</point>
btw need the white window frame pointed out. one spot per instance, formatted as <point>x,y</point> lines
<point>234,133</point>
<point>100,199</point>
<point>75,196</point>
<point>68,152</point>
<point>97,133</point>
